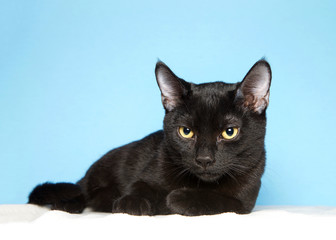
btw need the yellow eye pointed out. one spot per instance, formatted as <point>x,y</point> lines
<point>230,133</point>
<point>186,132</point>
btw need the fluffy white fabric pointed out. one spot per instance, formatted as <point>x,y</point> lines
<point>32,222</point>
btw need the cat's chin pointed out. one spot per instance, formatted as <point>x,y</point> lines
<point>208,177</point>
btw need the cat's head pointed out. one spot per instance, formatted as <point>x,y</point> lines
<point>216,129</point>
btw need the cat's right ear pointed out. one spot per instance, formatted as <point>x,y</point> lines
<point>173,89</point>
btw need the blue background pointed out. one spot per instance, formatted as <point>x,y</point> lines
<point>77,79</point>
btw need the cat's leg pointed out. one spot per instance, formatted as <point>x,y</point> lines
<point>101,199</point>
<point>140,199</point>
<point>195,202</point>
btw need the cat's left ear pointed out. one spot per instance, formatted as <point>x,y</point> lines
<point>253,92</point>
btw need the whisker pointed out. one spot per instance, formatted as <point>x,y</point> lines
<point>175,171</point>
<point>232,176</point>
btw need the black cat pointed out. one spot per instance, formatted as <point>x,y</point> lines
<point>208,159</point>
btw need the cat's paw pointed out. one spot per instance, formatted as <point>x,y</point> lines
<point>132,205</point>
<point>191,202</point>
<point>186,202</point>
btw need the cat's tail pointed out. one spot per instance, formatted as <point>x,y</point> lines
<point>59,196</point>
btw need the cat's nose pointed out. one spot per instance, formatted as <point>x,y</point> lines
<point>204,162</point>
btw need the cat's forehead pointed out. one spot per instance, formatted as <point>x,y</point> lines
<point>213,103</point>
<point>210,96</point>
<point>213,88</point>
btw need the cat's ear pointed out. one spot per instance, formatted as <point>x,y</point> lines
<point>253,92</point>
<point>173,89</point>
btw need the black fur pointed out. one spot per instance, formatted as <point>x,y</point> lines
<point>61,196</point>
<point>165,173</point>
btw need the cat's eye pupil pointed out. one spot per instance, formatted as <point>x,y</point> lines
<point>229,131</point>
<point>186,131</point>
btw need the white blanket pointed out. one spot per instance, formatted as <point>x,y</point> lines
<point>32,222</point>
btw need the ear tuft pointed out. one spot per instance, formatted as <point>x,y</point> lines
<point>172,88</point>
<point>253,91</point>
